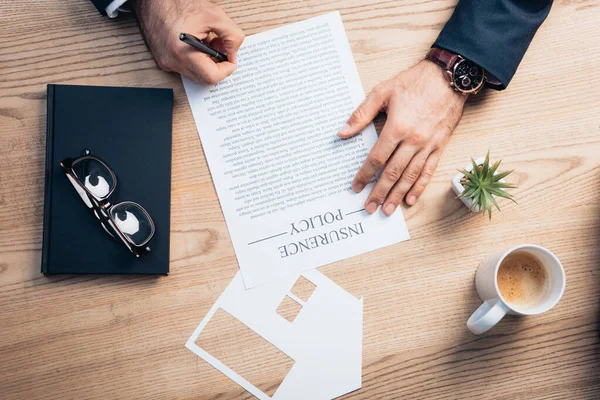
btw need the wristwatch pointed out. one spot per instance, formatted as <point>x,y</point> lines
<point>464,75</point>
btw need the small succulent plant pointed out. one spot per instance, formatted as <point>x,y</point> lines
<point>483,183</point>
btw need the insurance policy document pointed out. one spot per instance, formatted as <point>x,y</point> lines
<point>282,175</point>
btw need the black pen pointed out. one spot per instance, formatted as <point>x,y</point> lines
<point>199,45</point>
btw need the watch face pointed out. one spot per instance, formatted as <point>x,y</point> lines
<point>468,76</point>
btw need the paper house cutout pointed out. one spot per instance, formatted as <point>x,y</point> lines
<point>324,340</point>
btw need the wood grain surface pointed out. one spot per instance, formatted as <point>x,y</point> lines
<point>109,337</point>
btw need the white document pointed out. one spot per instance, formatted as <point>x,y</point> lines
<point>324,340</point>
<point>282,175</point>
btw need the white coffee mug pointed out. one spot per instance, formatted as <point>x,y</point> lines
<point>494,306</point>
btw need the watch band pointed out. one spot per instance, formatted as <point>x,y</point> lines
<point>443,58</point>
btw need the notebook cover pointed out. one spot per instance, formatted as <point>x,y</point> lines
<point>130,129</point>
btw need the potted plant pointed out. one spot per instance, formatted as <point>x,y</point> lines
<point>478,185</point>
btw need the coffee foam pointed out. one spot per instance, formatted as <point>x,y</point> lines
<point>522,280</point>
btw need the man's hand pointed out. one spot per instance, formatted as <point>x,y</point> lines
<point>161,23</point>
<point>422,112</point>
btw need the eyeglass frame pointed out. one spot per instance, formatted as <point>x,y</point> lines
<point>101,207</point>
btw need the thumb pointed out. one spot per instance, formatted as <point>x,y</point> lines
<point>364,114</point>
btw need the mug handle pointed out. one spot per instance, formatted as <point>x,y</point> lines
<point>487,315</point>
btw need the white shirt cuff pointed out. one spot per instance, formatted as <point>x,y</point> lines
<point>112,10</point>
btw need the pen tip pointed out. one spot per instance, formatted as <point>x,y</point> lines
<point>181,36</point>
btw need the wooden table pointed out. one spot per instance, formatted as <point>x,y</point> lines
<point>75,337</point>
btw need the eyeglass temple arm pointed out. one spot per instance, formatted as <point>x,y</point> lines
<point>82,193</point>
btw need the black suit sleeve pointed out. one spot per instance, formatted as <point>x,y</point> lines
<point>494,33</point>
<point>101,5</point>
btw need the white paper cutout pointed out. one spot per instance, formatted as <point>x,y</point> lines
<point>325,339</point>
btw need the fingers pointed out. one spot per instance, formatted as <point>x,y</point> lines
<point>428,169</point>
<point>201,68</point>
<point>392,172</point>
<point>230,34</point>
<point>222,34</point>
<point>378,156</point>
<point>408,178</point>
<point>217,44</point>
<point>365,113</point>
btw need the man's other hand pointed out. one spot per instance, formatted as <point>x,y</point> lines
<point>161,23</point>
<point>422,112</point>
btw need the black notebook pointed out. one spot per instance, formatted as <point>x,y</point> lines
<point>130,129</point>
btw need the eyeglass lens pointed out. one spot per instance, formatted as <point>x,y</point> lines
<point>133,222</point>
<point>95,176</point>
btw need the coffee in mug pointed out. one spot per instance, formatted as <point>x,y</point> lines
<point>522,280</point>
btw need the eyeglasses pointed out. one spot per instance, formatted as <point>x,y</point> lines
<point>95,181</point>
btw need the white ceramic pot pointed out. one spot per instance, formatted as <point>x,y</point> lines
<point>458,188</point>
